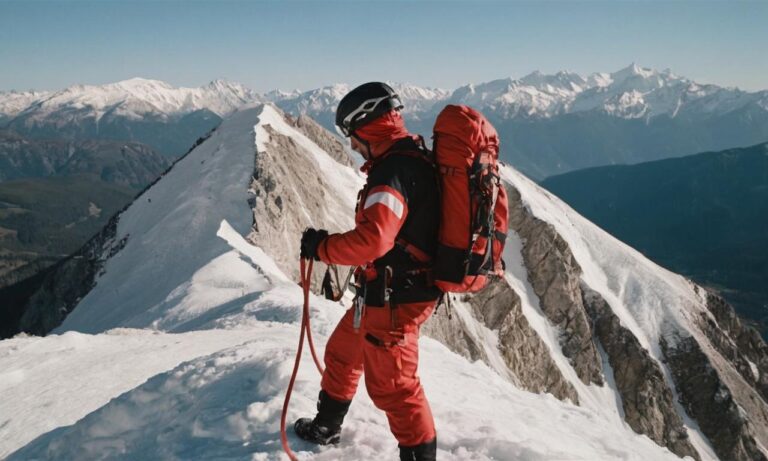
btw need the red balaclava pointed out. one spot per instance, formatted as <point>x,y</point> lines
<point>382,132</point>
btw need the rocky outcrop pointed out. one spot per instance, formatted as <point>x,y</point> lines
<point>555,275</point>
<point>736,357</point>
<point>709,399</point>
<point>288,195</point>
<point>737,343</point>
<point>527,360</point>
<point>454,332</point>
<point>320,136</point>
<point>646,399</point>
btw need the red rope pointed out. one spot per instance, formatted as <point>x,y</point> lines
<point>306,277</point>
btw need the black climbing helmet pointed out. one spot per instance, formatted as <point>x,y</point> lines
<point>364,104</point>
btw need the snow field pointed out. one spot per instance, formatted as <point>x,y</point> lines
<point>227,405</point>
<point>49,382</point>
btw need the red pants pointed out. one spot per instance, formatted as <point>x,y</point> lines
<point>390,370</point>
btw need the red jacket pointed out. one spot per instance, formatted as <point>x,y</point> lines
<point>381,209</point>
<point>399,207</point>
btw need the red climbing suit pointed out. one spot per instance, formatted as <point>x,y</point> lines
<point>385,347</point>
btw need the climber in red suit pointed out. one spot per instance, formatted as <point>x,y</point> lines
<point>395,236</point>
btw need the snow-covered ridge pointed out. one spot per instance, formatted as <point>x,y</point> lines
<point>651,301</point>
<point>207,186</point>
<point>138,97</point>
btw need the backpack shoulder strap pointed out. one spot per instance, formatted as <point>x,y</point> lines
<point>411,148</point>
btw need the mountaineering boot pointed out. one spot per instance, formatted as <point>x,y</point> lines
<point>325,429</point>
<point>424,452</point>
<point>308,429</point>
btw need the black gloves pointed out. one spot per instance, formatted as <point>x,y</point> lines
<point>310,240</point>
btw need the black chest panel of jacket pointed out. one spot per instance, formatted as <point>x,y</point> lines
<point>406,170</point>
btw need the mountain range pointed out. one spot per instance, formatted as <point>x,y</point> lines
<point>548,123</point>
<point>148,111</point>
<point>185,309</point>
<point>552,124</point>
<point>130,164</point>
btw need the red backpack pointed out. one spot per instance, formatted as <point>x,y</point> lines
<point>474,208</point>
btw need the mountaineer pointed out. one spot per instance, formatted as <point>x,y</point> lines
<point>394,239</point>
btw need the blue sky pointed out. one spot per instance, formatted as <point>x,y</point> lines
<point>292,44</point>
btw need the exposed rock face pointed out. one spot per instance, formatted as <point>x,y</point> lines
<point>707,398</point>
<point>738,356</point>
<point>321,137</point>
<point>285,180</point>
<point>499,308</point>
<point>739,344</point>
<point>455,334</point>
<point>554,274</point>
<point>647,401</point>
<point>526,358</point>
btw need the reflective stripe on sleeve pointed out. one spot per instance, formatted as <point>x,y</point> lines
<point>387,199</point>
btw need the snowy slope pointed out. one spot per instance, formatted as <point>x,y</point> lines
<point>187,275</point>
<point>227,405</point>
<point>54,381</point>
<point>645,297</point>
<point>174,225</point>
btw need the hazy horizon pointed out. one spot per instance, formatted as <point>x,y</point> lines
<point>286,45</point>
<point>309,88</point>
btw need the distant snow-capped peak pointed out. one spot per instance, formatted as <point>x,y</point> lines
<point>631,92</point>
<point>137,97</point>
<point>13,102</point>
<point>313,101</point>
<point>415,98</point>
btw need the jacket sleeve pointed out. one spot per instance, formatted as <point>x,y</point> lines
<point>383,214</point>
